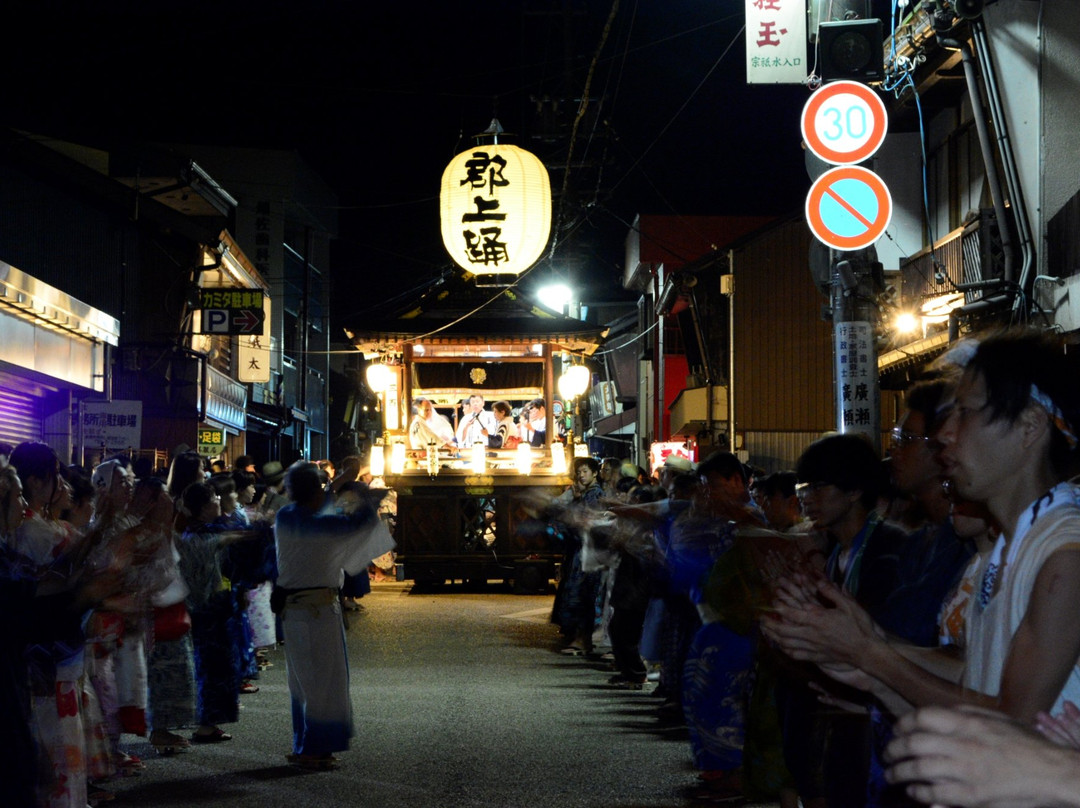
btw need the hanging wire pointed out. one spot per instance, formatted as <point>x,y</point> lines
<point>678,112</point>
<point>583,105</point>
<point>630,341</point>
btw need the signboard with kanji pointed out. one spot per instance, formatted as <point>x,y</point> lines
<point>211,440</point>
<point>116,425</point>
<point>776,42</point>
<point>214,298</point>
<point>858,396</point>
<point>230,311</point>
<point>253,352</point>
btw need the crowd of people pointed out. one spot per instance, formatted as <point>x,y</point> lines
<point>858,631</point>
<point>146,605</point>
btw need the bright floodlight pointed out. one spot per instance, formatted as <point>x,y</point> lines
<point>555,297</point>
<point>906,322</point>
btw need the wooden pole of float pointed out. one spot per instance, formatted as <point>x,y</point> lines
<point>549,394</point>
<point>405,406</point>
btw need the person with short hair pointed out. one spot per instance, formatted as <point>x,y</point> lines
<point>1009,441</point>
<point>476,424</point>
<point>713,659</point>
<point>775,495</point>
<point>245,463</point>
<point>316,542</point>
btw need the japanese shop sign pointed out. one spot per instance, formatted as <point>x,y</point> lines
<point>211,441</point>
<point>253,351</point>
<point>230,311</point>
<point>116,425</point>
<point>848,208</point>
<point>857,399</point>
<point>495,209</point>
<point>776,42</point>
<point>844,122</point>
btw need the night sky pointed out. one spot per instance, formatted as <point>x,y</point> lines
<point>379,99</point>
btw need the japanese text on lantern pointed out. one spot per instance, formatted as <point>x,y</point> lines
<point>484,173</point>
<point>775,41</point>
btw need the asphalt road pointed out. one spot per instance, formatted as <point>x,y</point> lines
<point>460,700</point>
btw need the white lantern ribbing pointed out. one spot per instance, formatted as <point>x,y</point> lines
<point>495,209</point>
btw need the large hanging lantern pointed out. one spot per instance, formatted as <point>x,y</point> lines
<point>495,209</point>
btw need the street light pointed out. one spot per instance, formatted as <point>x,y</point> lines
<point>555,297</point>
<point>906,322</point>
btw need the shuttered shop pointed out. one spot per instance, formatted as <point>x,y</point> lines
<point>21,416</point>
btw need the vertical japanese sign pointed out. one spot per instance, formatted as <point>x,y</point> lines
<point>857,394</point>
<point>776,42</point>
<point>253,351</point>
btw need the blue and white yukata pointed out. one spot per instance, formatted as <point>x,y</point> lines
<point>314,548</point>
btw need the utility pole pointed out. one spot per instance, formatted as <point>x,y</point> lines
<point>854,316</point>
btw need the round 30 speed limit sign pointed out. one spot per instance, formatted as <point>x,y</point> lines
<point>844,122</point>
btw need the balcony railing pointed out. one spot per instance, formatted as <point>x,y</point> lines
<point>968,254</point>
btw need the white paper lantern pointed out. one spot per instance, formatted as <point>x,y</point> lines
<point>495,209</point>
<point>397,458</point>
<point>377,467</point>
<point>558,458</point>
<point>479,458</point>
<point>524,458</point>
<point>574,381</point>
<point>379,378</point>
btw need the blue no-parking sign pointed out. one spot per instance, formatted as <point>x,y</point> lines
<point>848,208</point>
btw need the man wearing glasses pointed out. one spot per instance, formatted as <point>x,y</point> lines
<point>933,556</point>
